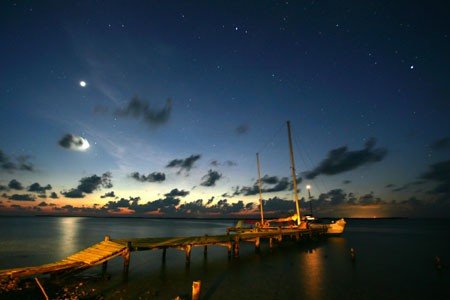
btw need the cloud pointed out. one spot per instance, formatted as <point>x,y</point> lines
<point>73,142</point>
<point>346,181</point>
<point>177,193</point>
<point>21,163</point>
<point>53,195</point>
<point>152,177</point>
<point>4,188</point>
<point>440,174</point>
<point>441,144</point>
<point>241,129</point>
<point>21,197</point>
<point>341,160</point>
<point>89,184</point>
<point>228,163</point>
<point>108,195</point>
<point>211,178</point>
<point>390,185</point>
<point>185,164</point>
<point>270,184</point>
<point>140,109</point>
<point>15,185</point>
<point>43,204</point>
<point>37,188</point>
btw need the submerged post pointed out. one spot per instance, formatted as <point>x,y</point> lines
<point>257,244</point>
<point>260,192</point>
<point>164,254</point>
<point>294,176</point>
<point>188,249</point>
<point>126,258</point>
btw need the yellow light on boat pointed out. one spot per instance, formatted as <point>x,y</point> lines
<point>308,187</point>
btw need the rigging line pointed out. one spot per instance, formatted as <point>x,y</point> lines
<point>316,182</point>
<point>271,139</point>
<point>319,178</point>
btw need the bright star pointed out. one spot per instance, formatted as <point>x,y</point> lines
<point>411,67</point>
<point>82,83</point>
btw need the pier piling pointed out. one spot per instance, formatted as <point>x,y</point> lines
<point>187,250</point>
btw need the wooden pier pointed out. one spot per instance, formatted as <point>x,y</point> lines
<point>108,249</point>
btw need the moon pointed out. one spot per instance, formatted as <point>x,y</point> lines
<point>82,83</point>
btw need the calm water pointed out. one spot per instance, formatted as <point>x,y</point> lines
<point>395,259</point>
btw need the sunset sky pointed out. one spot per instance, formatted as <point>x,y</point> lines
<point>148,107</point>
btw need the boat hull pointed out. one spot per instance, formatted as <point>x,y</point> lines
<point>334,228</point>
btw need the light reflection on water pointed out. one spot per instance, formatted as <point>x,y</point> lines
<point>69,235</point>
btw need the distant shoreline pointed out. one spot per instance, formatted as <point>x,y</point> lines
<point>199,218</point>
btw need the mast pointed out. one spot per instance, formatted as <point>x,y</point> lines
<point>260,192</point>
<point>294,177</point>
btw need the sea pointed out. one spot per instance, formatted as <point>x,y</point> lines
<point>394,259</point>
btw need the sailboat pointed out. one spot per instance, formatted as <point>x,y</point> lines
<point>295,220</point>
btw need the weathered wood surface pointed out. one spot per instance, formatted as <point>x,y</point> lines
<point>91,256</point>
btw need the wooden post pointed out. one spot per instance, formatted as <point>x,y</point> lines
<point>205,251</point>
<point>229,246</point>
<point>105,264</point>
<point>42,288</point>
<point>196,288</point>
<point>236,246</point>
<point>257,244</point>
<point>270,243</point>
<point>187,250</point>
<point>164,254</point>
<point>126,258</point>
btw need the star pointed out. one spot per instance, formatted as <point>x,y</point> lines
<point>83,83</point>
<point>411,67</point>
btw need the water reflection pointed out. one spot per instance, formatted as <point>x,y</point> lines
<point>312,266</point>
<point>68,237</point>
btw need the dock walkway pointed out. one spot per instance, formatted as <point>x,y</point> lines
<point>108,249</point>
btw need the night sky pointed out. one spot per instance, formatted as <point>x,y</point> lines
<point>159,107</point>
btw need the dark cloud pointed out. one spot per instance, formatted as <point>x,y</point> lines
<point>21,197</point>
<point>439,173</point>
<point>228,163</point>
<point>53,195</point>
<point>89,184</point>
<point>278,205</point>
<point>269,179</point>
<point>241,129</point>
<point>152,177</point>
<point>43,204</point>
<point>21,163</point>
<point>177,193</point>
<point>141,110</point>
<point>108,195</point>
<point>271,184</point>
<point>341,160</point>
<point>185,164</point>
<point>73,193</point>
<point>73,142</point>
<point>346,181</point>
<point>211,178</point>
<point>390,185</point>
<point>37,188</point>
<point>441,144</point>
<point>4,188</point>
<point>15,185</point>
